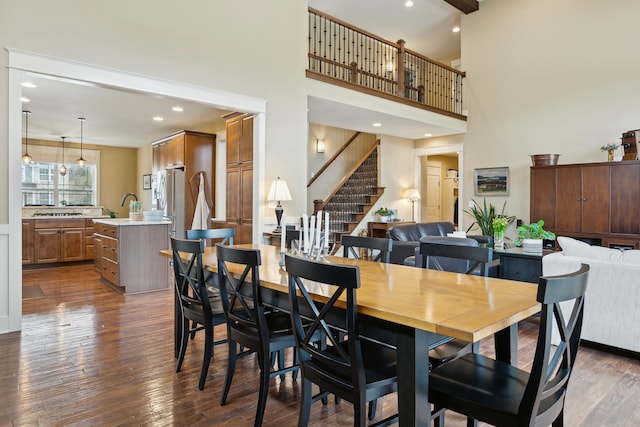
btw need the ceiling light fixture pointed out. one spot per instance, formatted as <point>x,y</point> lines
<point>158,118</point>
<point>178,109</point>
<point>63,168</point>
<point>428,135</point>
<point>456,29</point>
<point>377,125</point>
<point>26,158</point>
<point>81,161</point>
<point>24,99</point>
<point>408,3</point>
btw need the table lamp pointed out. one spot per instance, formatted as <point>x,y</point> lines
<point>277,193</point>
<point>412,194</point>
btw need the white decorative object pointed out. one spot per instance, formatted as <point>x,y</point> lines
<point>532,246</point>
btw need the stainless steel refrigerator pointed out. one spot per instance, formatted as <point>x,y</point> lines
<point>169,196</point>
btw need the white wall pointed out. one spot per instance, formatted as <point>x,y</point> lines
<point>547,76</point>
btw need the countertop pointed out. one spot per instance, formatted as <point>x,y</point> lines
<point>126,222</point>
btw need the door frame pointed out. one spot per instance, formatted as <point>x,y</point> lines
<point>442,149</point>
<point>21,62</point>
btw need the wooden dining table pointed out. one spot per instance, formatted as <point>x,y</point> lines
<point>413,310</point>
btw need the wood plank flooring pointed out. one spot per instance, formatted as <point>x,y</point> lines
<point>89,356</point>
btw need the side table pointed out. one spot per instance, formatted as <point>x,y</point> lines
<point>379,229</point>
<point>515,264</point>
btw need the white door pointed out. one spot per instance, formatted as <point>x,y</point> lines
<point>432,186</point>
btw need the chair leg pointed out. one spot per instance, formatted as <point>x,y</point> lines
<point>360,413</point>
<point>305,403</point>
<point>471,422</point>
<point>206,358</point>
<point>372,409</point>
<point>281,363</point>
<point>231,367</point>
<point>184,340</point>
<point>194,325</point>
<point>559,422</point>
<point>264,388</point>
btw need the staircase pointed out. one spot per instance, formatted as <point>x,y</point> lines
<point>353,198</point>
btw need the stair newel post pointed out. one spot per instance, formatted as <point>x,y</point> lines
<point>400,68</point>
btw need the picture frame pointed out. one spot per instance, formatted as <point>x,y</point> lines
<point>491,181</point>
<point>146,182</point>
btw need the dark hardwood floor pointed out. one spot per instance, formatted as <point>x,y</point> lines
<point>87,355</point>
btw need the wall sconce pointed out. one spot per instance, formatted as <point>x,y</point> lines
<point>319,145</point>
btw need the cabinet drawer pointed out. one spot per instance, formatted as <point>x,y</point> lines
<point>107,230</point>
<point>110,271</point>
<point>110,249</point>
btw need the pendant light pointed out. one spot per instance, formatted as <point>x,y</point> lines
<point>26,158</point>
<point>63,168</point>
<point>81,161</point>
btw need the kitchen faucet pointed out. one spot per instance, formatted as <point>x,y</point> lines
<point>127,195</point>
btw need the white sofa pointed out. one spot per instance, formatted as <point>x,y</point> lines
<point>611,314</point>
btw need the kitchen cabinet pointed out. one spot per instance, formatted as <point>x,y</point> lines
<point>49,240</point>
<point>127,257</point>
<point>239,186</point>
<point>194,152</point>
<point>27,241</point>
<point>598,202</point>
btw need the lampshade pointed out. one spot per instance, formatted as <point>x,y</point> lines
<point>278,191</point>
<point>412,194</point>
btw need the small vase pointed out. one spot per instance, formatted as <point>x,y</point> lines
<point>533,246</point>
<point>498,240</point>
<point>610,152</point>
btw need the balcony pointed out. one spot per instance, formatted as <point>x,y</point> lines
<point>344,55</point>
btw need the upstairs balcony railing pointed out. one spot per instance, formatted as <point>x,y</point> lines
<point>342,54</point>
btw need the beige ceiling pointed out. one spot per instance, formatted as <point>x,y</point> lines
<point>118,118</point>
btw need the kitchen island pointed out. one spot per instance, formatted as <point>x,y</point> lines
<point>126,254</point>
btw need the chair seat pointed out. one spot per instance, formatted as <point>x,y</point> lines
<point>481,384</point>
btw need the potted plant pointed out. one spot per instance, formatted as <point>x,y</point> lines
<point>383,214</point>
<point>530,236</point>
<point>484,216</point>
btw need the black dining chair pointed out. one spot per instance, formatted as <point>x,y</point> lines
<point>193,301</point>
<point>249,324</point>
<point>220,235</point>
<point>500,394</point>
<point>212,235</point>
<point>356,370</point>
<point>478,259</point>
<point>373,248</point>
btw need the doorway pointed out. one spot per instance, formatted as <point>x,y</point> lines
<point>24,62</point>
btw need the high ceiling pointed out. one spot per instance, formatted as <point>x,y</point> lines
<point>118,118</point>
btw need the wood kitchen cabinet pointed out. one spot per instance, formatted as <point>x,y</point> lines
<point>27,241</point>
<point>194,152</point>
<point>599,202</point>
<point>239,186</point>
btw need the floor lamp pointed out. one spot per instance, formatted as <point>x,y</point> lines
<point>412,194</point>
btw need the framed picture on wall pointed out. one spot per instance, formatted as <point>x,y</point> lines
<point>146,182</point>
<point>491,181</point>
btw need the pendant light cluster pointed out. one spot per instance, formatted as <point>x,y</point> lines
<point>26,157</point>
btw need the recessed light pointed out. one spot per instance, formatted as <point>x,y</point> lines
<point>178,109</point>
<point>408,3</point>
<point>158,118</point>
<point>456,29</point>
<point>377,125</point>
<point>28,84</point>
<point>24,99</point>
<point>428,135</point>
